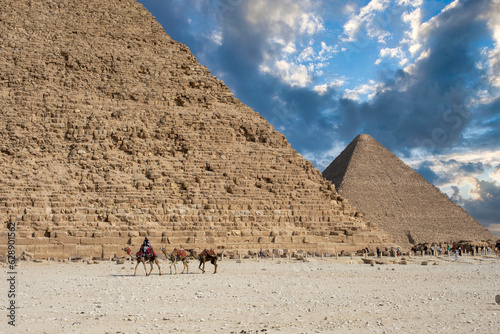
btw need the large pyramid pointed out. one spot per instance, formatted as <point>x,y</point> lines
<point>397,198</point>
<point>110,130</point>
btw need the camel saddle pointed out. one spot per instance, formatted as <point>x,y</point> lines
<point>208,252</point>
<point>150,253</point>
<point>181,254</point>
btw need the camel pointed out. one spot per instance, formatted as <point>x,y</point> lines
<point>207,255</point>
<point>179,255</point>
<point>151,259</point>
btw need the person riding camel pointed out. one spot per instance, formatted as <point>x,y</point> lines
<point>146,249</point>
<point>145,245</point>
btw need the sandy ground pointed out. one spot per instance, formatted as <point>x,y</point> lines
<point>265,296</point>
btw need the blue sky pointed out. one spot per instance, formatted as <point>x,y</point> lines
<point>421,77</point>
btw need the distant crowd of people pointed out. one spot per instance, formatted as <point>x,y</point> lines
<point>458,250</point>
<point>436,250</point>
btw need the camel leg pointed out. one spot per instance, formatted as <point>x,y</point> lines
<point>171,264</point>
<point>135,271</point>
<point>202,262</point>
<point>185,266</point>
<point>175,267</point>
<point>151,263</point>
<point>146,270</point>
<point>158,264</point>
<point>215,264</point>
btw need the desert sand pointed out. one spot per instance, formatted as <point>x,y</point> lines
<point>259,296</point>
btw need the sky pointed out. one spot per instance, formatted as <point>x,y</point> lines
<point>421,77</point>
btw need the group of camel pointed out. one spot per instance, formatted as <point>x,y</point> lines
<point>178,255</point>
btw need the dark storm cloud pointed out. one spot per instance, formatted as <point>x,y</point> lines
<point>429,108</point>
<point>484,209</point>
<point>456,196</point>
<point>488,121</point>
<point>472,167</point>
<point>426,172</point>
<point>454,170</point>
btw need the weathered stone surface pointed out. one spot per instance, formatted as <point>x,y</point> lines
<point>398,199</point>
<point>110,131</point>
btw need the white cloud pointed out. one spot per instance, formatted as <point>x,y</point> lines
<point>451,6</point>
<point>391,53</point>
<point>486,157</point>
<point>420,32</point>
<point>310,24</point>
<point>327,51</point>
<point>494,55</point>
<point>424,54</point>
<point>413,3</point>
<point>337,83</point>
<point>290,48</point>
<point>319,65</point>
<point>374,6</point>
<point>217,38</point>
<point>293,74</point>
<point>449,168</point>
<point>414,20</point>
<point>278,16</point>
<point>307,54</point>
<point>322,89</point>
<point>350,8</point>
<point>496,174</point>
<point>366,18</point>
<point>351,28</point>
<point>367,90</point>
<point>289,51</point>
<point>324,159</point>
<point>264,69</point>
<point>285,25</point>
<point>412,67</point>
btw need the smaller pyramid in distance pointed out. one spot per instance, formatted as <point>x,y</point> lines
<point>397,198</point>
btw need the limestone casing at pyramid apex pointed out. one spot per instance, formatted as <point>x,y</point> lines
<point>364,137</point>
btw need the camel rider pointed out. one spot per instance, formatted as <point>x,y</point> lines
<point>145,246</point>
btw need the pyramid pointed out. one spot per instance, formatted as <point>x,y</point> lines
<point>398,199</point>
<point>111,131</point>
